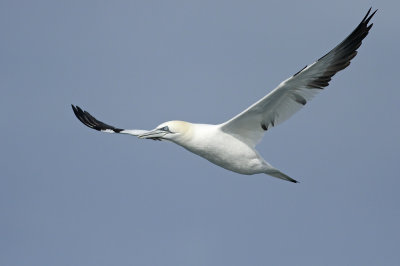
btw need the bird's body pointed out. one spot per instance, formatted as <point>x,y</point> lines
<point>231,145</point>
<point>222,149</point>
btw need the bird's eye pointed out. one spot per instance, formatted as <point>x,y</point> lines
<point>164,129</point>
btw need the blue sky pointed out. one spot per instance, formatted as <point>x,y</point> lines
<point>73,196</point>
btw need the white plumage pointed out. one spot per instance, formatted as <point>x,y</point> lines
<point>231,145</point>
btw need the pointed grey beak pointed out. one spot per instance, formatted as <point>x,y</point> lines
<point>153,134</point>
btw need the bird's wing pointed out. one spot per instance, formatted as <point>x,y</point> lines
<point>293,93</point>
<point>89,121</point>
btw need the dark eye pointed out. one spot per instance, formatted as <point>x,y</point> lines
<point>164,129</point>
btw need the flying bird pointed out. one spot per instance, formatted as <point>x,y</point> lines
<point>231,145</point>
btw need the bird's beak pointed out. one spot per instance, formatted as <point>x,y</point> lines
<point>153,134</point>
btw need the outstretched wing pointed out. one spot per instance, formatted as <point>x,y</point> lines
<point>292,94</point>
<point>89,121</point>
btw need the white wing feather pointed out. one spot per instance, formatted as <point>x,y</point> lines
<point>292,94</point>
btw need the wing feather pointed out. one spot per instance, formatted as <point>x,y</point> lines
<point>90,121</point>
<point>292,94</point>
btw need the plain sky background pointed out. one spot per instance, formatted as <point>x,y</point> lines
<point>73,196</point>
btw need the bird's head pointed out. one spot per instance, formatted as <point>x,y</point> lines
<point>172,130</point>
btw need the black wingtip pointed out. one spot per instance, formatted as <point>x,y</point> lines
<point>291,180</point>
<point>368,17</point>
<point>90,121</point>
<point>80,115</point>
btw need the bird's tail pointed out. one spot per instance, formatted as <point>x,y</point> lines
<point>276,173</point>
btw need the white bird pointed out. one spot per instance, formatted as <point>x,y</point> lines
<point>231,145</point>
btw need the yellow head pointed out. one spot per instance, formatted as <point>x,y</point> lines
<point>171,130</point>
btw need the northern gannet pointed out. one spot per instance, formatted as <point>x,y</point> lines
<point>231,144</point>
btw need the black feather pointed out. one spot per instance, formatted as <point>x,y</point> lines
<point>90,121</point>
